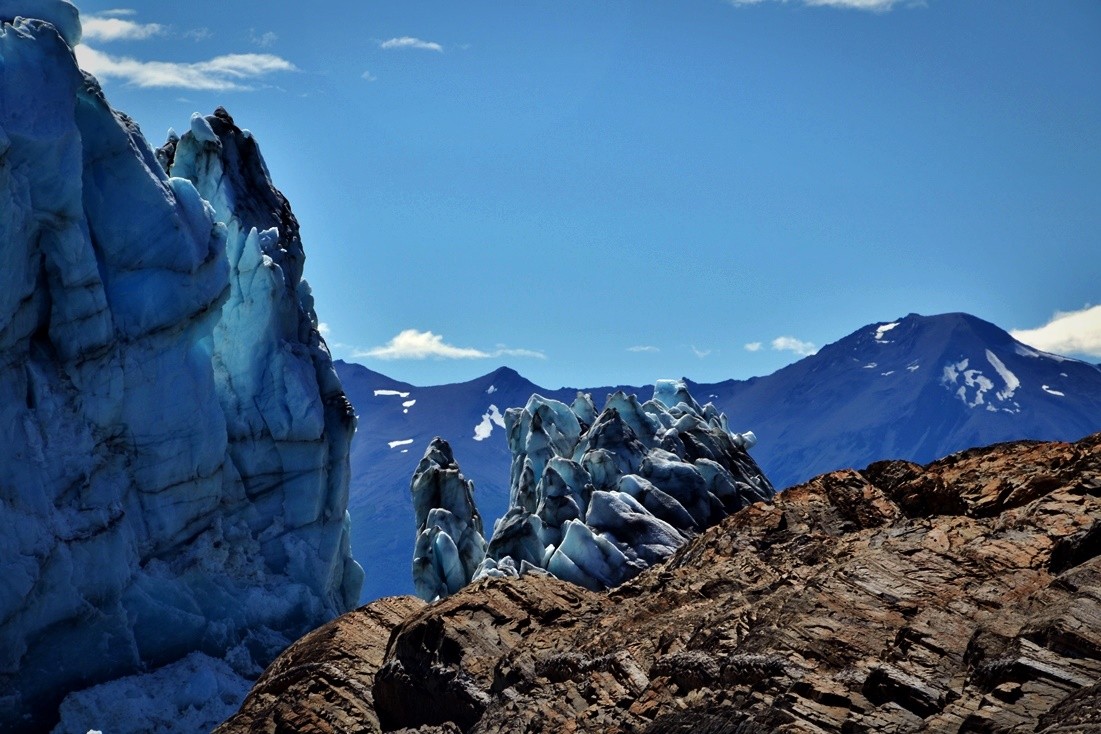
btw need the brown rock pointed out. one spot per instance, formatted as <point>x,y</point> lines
<point>961,596</point>
<point>322,683</point>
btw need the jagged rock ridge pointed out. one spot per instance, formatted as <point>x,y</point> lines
<point>595,498</point>
<point>173,435</point>
<point>960,596</point>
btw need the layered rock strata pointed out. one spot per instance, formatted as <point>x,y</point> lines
<point>960,596</point>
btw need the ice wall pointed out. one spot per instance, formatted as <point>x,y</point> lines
<point>173,438</point>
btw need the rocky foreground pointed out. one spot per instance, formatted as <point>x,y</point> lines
<point>960,596</point>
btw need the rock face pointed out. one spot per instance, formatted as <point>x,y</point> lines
<point>173,436</point>
<point>960,596</point>
<point>594,498</point>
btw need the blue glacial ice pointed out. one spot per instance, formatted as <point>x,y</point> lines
<point>598,497</point>
<point>449,544</point>
<point>174,437</point>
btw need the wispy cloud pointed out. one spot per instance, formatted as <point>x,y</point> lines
<point>369,76</point>
<point>198,34</point>
<point>875,6</point>
<point>408,42</point>
<point>1068,332</point>
<point>791,344</point>
<point>117,13</point>
<point>701,353</point>
<point>503,351</point>
<point>107,29</point>
<point>263,40</point>
<point>643,348</point>
<point>231,72</point>
<point>753,347</point>
<point>414,344</point>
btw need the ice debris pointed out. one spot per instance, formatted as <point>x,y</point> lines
<point>594,498</point>
<point>450,544</point>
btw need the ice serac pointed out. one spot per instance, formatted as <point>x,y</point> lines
<point>450,544</point>
<point>173,436</point>
<point>597,498</point>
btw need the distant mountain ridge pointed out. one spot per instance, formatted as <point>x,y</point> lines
<point>916,388</point>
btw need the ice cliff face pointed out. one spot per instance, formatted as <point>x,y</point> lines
<point>595,498</point>
<point>173,436</point>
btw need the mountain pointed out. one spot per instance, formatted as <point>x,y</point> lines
<point>961,596</point>
<point>914,389</point>
<point>173,437</point>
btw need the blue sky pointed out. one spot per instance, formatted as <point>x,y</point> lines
<point>621,191</point>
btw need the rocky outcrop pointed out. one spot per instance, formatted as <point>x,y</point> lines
<point>960,596</point>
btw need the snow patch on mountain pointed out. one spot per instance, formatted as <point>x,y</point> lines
<point>881,331</point>
<point>1050,391</point>
<point>1010,379</point>
<point>397,393</point>
<point>971,385</point>
<point>399,442</point>
<point>491,417</point>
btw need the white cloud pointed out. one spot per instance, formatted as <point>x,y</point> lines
<point>791,344</point>
<point>221,73</point>
<point>117,12</point>
<point>369,76</point>
<point>753,347</point>
<point>323,329</point>
<point>701,353</point>
<point>875,6</point>
<point>643,348</point>
<point>413,344</point>
<point>96,28</point>
<point>410,42</point>
<point>1070,332</point>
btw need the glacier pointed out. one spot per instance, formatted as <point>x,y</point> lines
<point>594,498</point>
<point>174,436</point>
